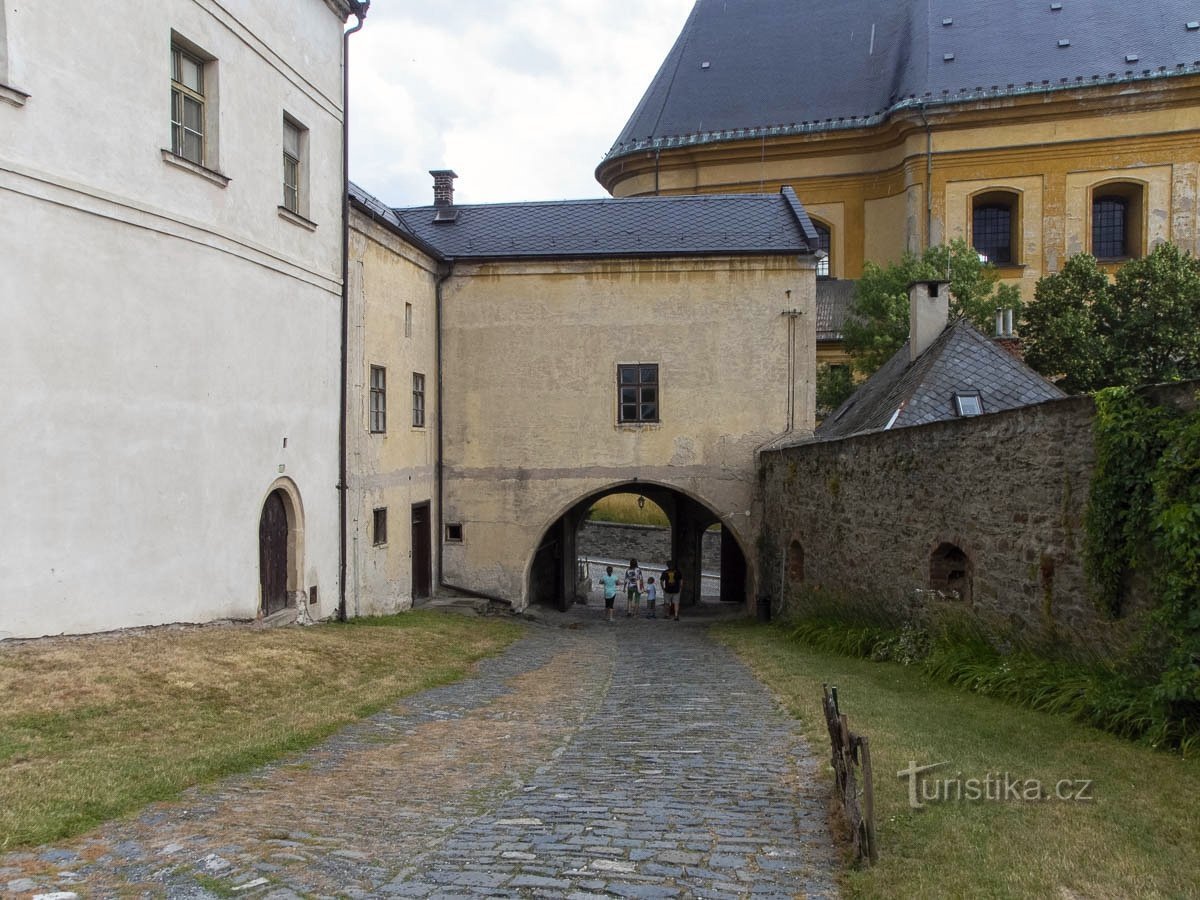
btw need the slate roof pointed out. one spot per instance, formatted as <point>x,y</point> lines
<point>921,391</point>
<point>835,297</point>
<point>642,226</point>
<point>747,68</point>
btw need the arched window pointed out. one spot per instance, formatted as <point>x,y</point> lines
<point>950,572</point>
<point>795,562</point>
<point>1117,221</point>
<point>995,216</point>
<point>823,243</point>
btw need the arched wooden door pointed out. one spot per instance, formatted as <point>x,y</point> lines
<point>272,553</point>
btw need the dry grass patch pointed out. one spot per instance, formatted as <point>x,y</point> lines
<point>1138,837</point>
<point>94,727</point>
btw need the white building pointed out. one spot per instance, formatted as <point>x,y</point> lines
<point>171,231</point>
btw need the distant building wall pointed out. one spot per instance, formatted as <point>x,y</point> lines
<point>881,515</point>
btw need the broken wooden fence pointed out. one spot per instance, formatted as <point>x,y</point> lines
<point>852,752</point>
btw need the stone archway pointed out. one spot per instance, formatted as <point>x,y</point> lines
<point>552,575</point>
<point>280,549</point>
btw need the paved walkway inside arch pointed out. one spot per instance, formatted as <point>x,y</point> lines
<point>632,759</point>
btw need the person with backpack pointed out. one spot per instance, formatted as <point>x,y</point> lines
<point>672,584</point>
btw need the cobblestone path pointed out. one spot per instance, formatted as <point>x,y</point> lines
<point>638,759</point>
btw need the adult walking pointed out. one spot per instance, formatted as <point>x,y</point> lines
<point>608,581</point>
<point>633,588</point>
<point>672,584</point>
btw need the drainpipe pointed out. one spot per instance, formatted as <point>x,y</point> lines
<point>359,10</point>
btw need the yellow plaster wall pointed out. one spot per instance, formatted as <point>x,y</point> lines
<point>396,469</point>
<point>531,356</point>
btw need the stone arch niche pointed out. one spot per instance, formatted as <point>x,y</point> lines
<point>552,575</point>
<point>795,562</point>
<point>951,572</point>
<point>280,549</point>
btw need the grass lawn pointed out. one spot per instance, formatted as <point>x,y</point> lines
<point>1138,837</point>
<point>95,727</point>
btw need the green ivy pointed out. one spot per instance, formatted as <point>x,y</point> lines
<point>1144,515</point>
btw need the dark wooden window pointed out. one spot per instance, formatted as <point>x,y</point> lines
<point>418,400</point>
<point>637,391</point>
<point>378,399</point>
<point>991,229</point>
<point>1109,227</point>
<point>379,526</point>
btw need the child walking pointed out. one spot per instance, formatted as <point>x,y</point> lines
<point>651,596</point>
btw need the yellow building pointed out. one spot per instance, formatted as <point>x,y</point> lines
<point>1035,130</point>
<point>558,353</point>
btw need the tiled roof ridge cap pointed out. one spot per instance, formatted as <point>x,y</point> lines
<point>927,101</point>
<point>623,201</point>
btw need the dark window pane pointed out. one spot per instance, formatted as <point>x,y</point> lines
<point>629,395</point>
<point>649,412</point>
<point>629,412</point>
<point>628,374</point>
<point>991,229</point>
<point>1108,228</point>
<point>649,374</point>
<point>649,395</point>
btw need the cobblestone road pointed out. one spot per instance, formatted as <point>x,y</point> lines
<point>637,759</point>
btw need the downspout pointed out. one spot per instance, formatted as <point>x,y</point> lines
<point>446,273</point>
<point>928,178</point>
<point>359,10</point>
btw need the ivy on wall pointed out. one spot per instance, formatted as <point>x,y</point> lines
<point>1143,518</point>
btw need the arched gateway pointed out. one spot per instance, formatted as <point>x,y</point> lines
<point>553,574</point>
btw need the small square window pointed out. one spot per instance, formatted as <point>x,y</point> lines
<point>378,422</point>
<point>418,400</point>
<point>379,527</point>
<point>637,393</point>
<point>454,532</point>
<point>968,404</point>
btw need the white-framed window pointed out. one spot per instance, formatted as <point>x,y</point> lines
<point>968,403</point>
<point>295,170</point>
<point>418,419</point>
<point>188,113</point>
<point>378,424</point>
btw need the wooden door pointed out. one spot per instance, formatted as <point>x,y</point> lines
<point>272,554</point>
<point>422,552</point>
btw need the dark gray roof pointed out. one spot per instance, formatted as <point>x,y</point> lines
<point>835,297</point>
<point>745,68</point>
<point>960,360</point>
<point>642,226</point>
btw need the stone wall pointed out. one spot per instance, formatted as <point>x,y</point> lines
<point>645,543</point>
<point>991,507</point>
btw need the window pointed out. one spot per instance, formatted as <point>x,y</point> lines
<point>187,105</point>
<point>418,400</point>
<point>951,572</point>
<point>292,138</point>
<point>995,216</point>
<point>454,532</point>
<point>822,244</point>
<point>968,403</point>
<point>637,389</point>
<point>1117,221</point>
<point>379,527</point>
<point>408,320</point>
<point>378,399</point>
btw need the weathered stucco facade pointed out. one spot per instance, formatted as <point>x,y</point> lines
<point>392,461</point>
<point>531,351</point>
<point>170,334</point>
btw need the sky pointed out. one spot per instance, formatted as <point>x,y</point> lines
<point>521,98</point>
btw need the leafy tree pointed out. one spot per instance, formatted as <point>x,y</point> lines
<point>1142,328</point>
<point>834,385</point>
<point>878,324</point>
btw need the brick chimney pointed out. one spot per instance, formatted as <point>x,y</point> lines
<point>443,187</point>
<point>928,312</point>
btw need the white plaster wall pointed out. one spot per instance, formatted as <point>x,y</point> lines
<point>160,335</point>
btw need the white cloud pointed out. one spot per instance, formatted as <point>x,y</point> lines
<point>522,98</point>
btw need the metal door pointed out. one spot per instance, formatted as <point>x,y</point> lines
<point>422,552</point>
<point>272,554</point>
